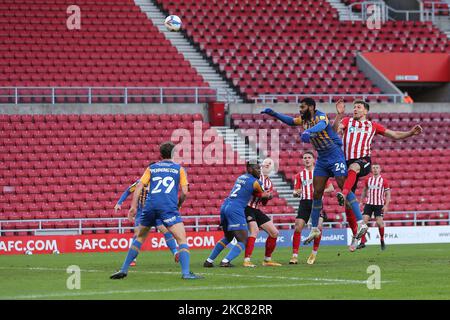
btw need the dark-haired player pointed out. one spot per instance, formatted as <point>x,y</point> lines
<point>303,189</point>
<point>358,133</point>
<point>257,220</point>
<point>232,215</point>
<point>330,161</point>
<point>170,241</point>
<point>378,193</point>
<point>165,178</point>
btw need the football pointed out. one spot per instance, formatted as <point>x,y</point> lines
<point>28,252</point>
<point>173,23</point>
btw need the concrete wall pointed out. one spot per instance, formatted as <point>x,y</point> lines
<point>104,108</point>
<point>376,76</point>
<point>202,108</point>
<point>330,108</point>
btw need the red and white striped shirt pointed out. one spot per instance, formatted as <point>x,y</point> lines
<point>376,188</point>
<point>268,187</point>
<point>358,137</point>
<point>304,181</point>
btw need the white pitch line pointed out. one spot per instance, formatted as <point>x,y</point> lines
<point>349,281</point>
<point>111,292</point>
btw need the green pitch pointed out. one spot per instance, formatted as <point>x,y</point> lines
<point>407,272</point>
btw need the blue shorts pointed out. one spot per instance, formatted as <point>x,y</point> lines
<point>232,218</point>
<point>331,164</point>
<point>154,217</point>
<point>137,220</point>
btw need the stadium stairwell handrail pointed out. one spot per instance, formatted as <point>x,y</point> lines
<point>122,92</point>
<point>331,98</point>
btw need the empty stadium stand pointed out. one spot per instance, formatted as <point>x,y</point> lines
<point>281,47</point>
<point>67,167</point>
<point>116,46</point>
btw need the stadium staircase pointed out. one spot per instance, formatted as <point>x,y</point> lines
<point>293,46</point>
<point>190,53</point>
<point>344,12</point>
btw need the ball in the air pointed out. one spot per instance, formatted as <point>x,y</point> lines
<point>173,23</point>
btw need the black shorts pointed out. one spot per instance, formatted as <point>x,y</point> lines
<point>252,214</point>
<point>376,210</point>
<point>366,167</point>
<point>304,210</point>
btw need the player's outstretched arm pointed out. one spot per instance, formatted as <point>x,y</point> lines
<point>340,111</point>
<point>398,135</point>
<point>134,202</point>
<point>305,136</point>
<point>122,198</point>
<point>282,117</point>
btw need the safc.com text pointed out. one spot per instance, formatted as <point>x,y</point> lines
<point>32,245</point>
<point>95,243</point>
<point>125,243</point>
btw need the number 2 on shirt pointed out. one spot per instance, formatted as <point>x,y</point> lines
<point>235,191</point>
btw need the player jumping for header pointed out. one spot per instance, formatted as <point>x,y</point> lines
<point>330,162</point>
<point>358,133</point>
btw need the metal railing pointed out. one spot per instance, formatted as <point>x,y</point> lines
<point>125,95</point>
<point>330,98</point>
<point>388,13</point>
<point>121,228</point>
<point>429,14</point>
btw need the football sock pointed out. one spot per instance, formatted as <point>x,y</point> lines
<point>271,243</point>
<point>381,229</point>
<point>351,220</point>
<point>296,242</point>
<point>363,239</point>
<point>185,257</point>
<point>235,251</point>
<point>131,255</point>
<point>220,245</point>
<point>171,243</point>
<point>351,199</point>
<point>250,246</point>
<point>317,241</point>
<point>349,182</point>
<point>315,212</point>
